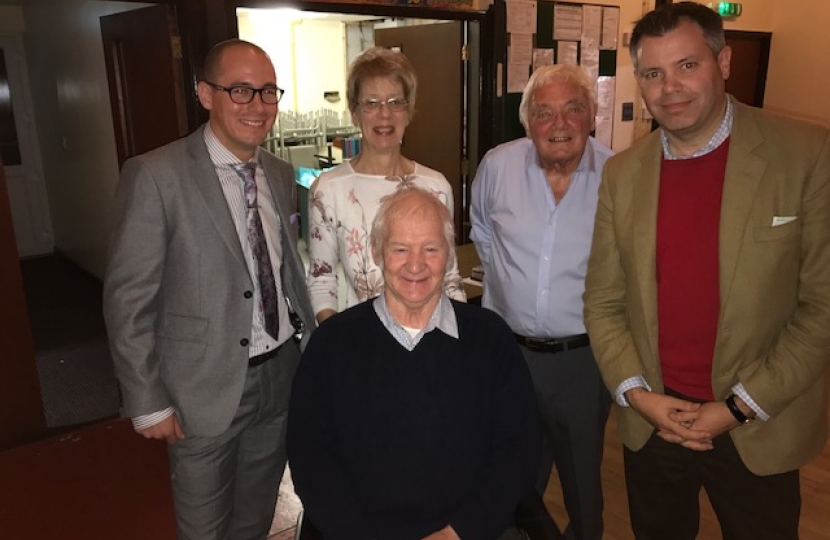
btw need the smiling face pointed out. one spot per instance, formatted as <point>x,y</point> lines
<point>560,121</point>
<point>414,261</point>
<point>683,84</point>
<point>240,128</point>
<point>384,129</point>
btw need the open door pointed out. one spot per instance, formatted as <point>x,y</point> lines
<point>143,56</point>
<point>750,60</point>
<point>435,137</point>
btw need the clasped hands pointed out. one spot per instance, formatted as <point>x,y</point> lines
<point>689,424</point>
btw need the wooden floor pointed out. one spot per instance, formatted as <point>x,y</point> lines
<point>815,495</point>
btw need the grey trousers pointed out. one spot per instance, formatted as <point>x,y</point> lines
<point>226,487</point>
<point>573,406</point>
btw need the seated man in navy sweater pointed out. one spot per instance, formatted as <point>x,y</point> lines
<point>412,416</point>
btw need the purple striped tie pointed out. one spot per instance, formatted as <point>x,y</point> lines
<point>259,250</point>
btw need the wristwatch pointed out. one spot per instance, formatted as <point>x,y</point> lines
<point>736,411</point>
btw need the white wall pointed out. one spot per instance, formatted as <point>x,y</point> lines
<point>316,64</point>
<point>71,98</point>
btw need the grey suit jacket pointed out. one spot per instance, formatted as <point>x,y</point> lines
<point>774,325</point>
<point>175,301</point>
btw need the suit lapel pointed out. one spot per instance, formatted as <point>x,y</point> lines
<point>207,182</point>
<point>744,170</point>
<point>272,174</point>
<point>646,179</point>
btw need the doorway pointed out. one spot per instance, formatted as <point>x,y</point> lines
<point>748,71</point>
<point>21,153</point>
<point>312,52</point>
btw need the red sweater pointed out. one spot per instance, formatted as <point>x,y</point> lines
<point>688,299</point>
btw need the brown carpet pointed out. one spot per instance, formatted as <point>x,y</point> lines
<point>102,481</point>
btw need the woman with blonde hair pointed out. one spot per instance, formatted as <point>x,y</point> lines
<point>381,90</point>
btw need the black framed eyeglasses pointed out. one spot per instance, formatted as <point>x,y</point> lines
<point>270,95</point>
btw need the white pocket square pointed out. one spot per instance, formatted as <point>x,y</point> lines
<point>781,220</point>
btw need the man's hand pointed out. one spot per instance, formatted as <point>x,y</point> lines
<point>713,417</point>
<point>447,533</point>
<point>168,429</point>
<point>662,412</point>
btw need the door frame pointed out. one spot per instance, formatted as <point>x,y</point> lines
<point>478,115</point>
<point>765,41</point>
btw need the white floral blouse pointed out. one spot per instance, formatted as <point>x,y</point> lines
<point>341,207</point>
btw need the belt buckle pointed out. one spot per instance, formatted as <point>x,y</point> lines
<point>538,345</point>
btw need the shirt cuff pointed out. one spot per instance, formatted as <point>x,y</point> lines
<point>147,420</point>
<point>741,392</point>
<point>637,381</point>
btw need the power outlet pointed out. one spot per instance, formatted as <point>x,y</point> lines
<point>627,112</point>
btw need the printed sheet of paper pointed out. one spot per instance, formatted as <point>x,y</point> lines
<point>542,57</point>
<point>567,22</point>
<point>517,77</point>
<point>521,16</point>
<point>610,28</point>
<point>591,24</point>
<point>606,92</point>
<point>567,53</point>
<point>521,49</point>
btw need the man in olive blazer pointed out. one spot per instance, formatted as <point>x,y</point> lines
<point>774,325</point>
<point>753,191</point>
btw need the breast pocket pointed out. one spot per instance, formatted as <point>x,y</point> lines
<point>771,234</point>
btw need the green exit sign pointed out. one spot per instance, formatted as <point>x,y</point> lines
<point>726,9</point>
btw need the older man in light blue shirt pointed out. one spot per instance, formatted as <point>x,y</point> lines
<point>532,214</point>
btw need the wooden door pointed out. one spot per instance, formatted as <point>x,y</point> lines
<point>142,51</point>
<point>21,407</point>
<point>748,71</point>
<point>435,137</point>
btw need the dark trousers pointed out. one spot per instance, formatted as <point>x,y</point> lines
<point>573,406</point>
<point>664,481</point>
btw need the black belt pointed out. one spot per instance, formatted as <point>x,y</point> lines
<point>554,345</point>
<point>254,361</point>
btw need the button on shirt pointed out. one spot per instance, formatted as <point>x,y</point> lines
<point>234,191</point>
<point>534,250</point>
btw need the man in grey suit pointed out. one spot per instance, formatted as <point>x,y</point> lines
<point>204,300</point>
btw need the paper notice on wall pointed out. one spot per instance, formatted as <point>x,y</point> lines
<point>521,49</point>
<point>567,22</point>
<point>567,53</point>
<point>542,57</point>
<point>591,23</point>
<point>521,16</point>
<point>606,93</point>
<point>589,58</point>
<point>610,28</point>
<point>517,77</point>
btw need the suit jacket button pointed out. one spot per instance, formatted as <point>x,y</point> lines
<point>248,294</point>
<point>243,342</point>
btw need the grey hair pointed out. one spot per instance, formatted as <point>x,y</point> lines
<point>545,75</point>
<point>410,201</point>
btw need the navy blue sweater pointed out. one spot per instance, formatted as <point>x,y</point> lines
<point>389,444</point>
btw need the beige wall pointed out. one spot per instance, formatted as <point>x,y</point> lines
<point>799,72</point>
<point>71,98</point>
